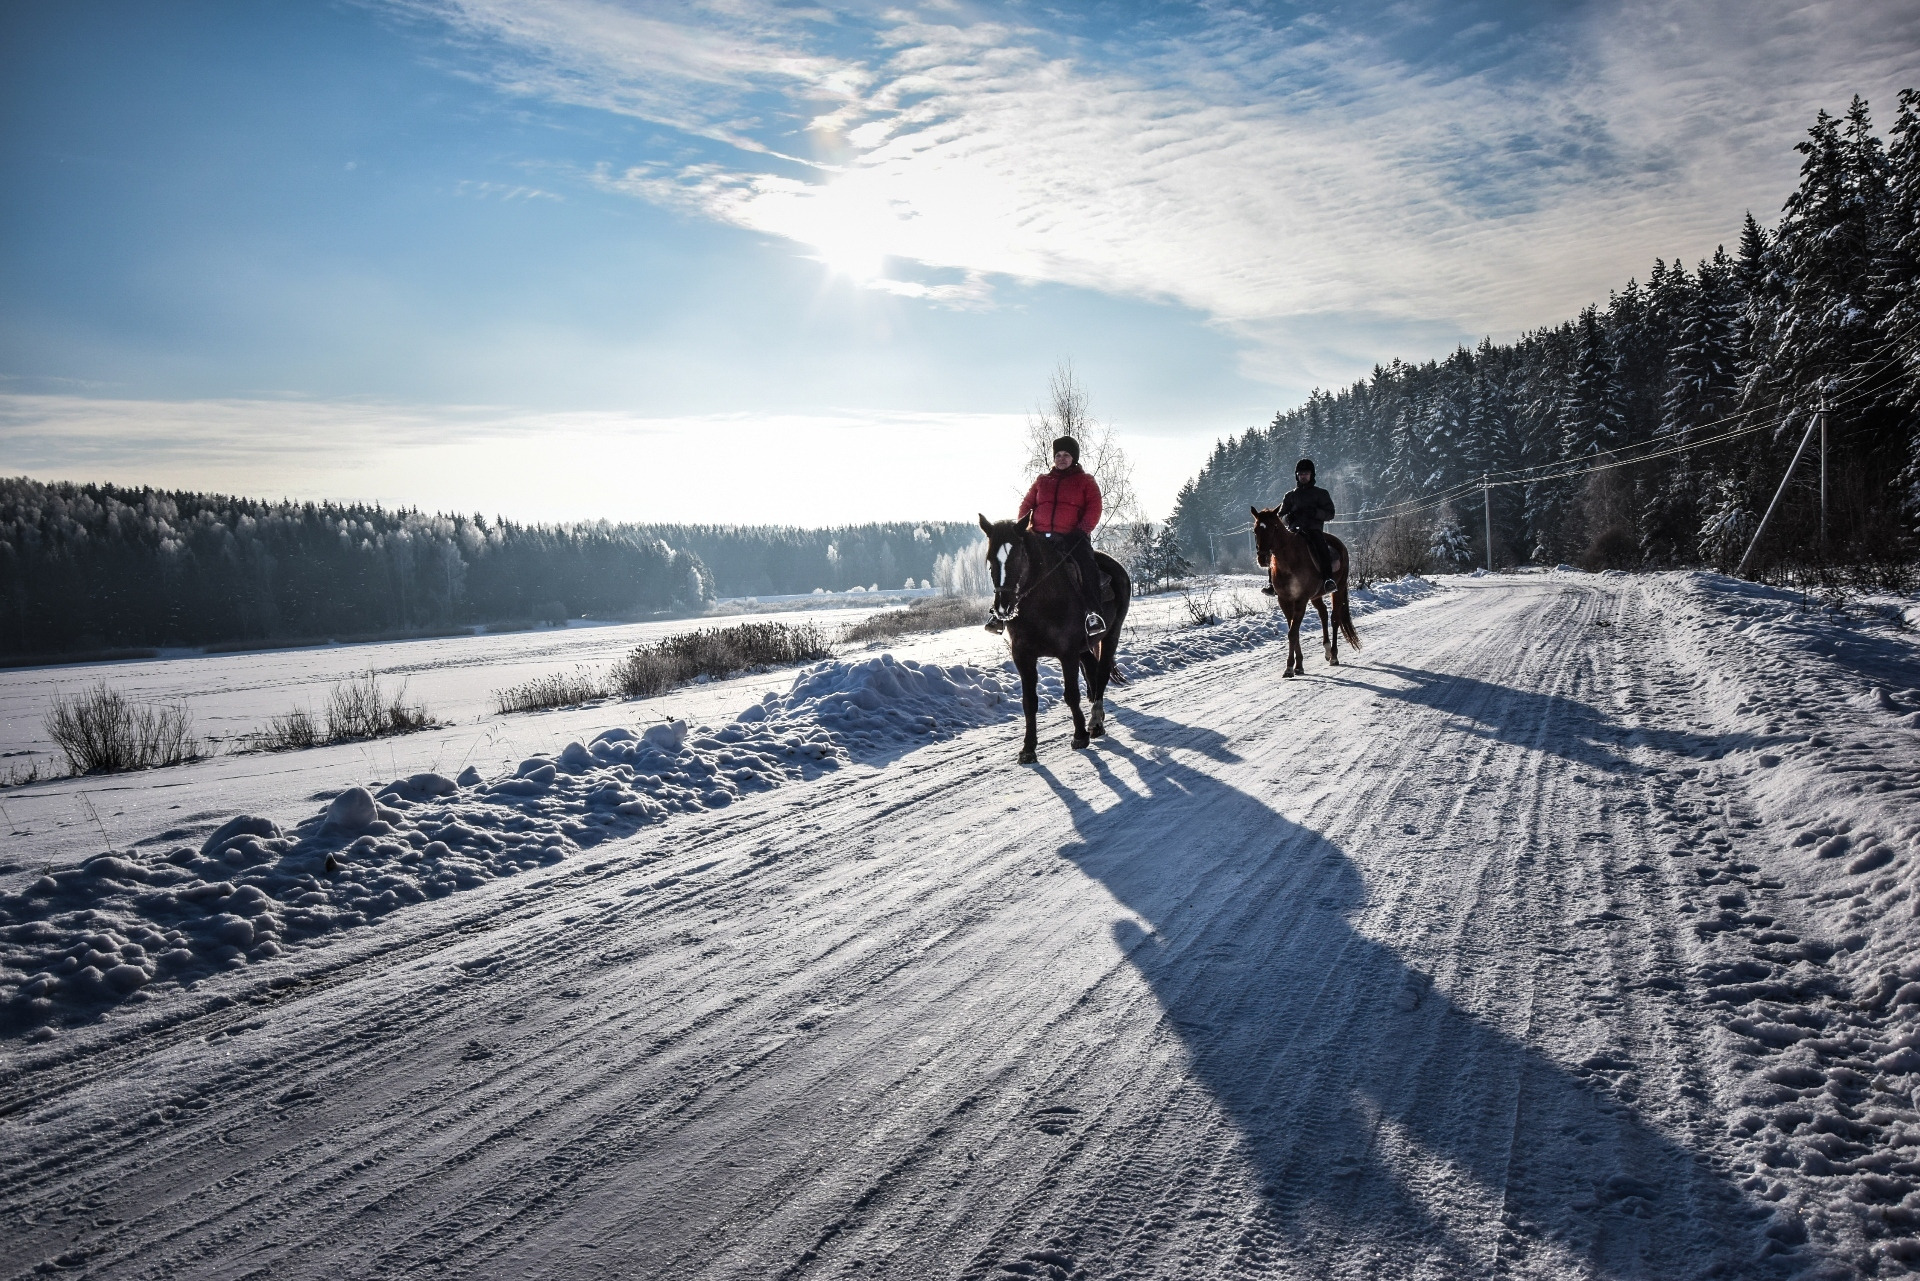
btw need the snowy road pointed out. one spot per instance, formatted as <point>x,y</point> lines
<point>1418,967</point>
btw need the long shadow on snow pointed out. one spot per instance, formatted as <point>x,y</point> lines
<point>1353,1084</point>
<point>1568,727</point>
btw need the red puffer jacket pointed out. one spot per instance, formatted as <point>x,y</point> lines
<point>1063,502</point>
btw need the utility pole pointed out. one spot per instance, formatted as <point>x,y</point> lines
<point>1741,568</point>
<point>1486,505</point>
<point>1823,470</point>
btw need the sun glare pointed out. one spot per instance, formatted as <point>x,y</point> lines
<point>851,228</point>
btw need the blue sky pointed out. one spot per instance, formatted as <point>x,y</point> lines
<point>740,261</point>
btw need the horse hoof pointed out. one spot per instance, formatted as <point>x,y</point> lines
<point>1027,757</point>
<point>1079,741</point>
<point>1097,731</point>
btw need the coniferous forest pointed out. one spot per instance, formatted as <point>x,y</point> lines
<point>92,567</point>
<point>1719,369</point>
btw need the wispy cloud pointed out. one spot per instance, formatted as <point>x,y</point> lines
<point>1450,168</point>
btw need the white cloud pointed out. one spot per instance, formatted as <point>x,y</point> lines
<point>1283,180</point>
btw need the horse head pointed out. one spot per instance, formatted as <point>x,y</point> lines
<point>1266,525</point>
<point>1007,559</point>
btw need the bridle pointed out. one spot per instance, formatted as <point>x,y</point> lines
<point>1007,613</point>
<point>1262,540</point>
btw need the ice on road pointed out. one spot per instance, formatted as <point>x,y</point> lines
<point>1566,931</point>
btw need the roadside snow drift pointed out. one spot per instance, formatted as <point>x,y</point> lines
<point>118,924</point>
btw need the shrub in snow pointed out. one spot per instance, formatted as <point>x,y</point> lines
<point>356,709</point>
<point>560,689</point>
<point>935,614</point>
<point>297,729</point>
<point>100,732</point>
<point>716,651</point>
<point>360,708</point>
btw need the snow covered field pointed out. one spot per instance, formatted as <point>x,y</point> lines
<point>57,822</point>
<point>1568,930</point>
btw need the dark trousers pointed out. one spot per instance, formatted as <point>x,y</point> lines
<point>1317,544</point>
<point>1080,548</point>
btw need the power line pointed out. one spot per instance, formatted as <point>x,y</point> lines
<point>1558,471</point>
<point>1565,469</point>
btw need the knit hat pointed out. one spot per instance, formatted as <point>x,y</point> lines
<point>1306,465</point>
<point>1069,444</point>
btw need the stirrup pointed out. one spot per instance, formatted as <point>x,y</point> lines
<point>1096,625</point>
<point>1329,586</point>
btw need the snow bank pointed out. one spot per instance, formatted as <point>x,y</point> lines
<point>122,923</point>
<point>1815,720</point>
<point>1819,712</point>
<point>1198,644</point>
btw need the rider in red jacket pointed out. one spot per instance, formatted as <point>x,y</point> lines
<point>1065,506</point>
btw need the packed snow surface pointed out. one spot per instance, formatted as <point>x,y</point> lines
<point>1568,929</point>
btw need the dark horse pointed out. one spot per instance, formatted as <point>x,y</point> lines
<point>1296,580</point>
<point>1035,593</point>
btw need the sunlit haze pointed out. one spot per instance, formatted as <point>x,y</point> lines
<point>562,259</point>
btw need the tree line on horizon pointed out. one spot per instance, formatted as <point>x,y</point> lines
<point>1821,310</point>
<point>103,567</point>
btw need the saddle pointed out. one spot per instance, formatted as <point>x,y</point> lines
<point>1106,581</point>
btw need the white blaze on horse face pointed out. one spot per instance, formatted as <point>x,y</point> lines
<point>1000,568</point>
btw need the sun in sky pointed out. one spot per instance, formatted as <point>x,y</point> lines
<point>851,228</point>
<point>355,248</point>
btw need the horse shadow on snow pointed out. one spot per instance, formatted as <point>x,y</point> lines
<point>1360,1093</point>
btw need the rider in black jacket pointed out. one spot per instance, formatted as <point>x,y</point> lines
<point>1304,510</point>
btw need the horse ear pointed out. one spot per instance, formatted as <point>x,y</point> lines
<point>986,526</point>
<point>1255,511</point>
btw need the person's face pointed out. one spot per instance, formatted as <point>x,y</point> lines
<point>1302,476</point>
<point>1062,459</point>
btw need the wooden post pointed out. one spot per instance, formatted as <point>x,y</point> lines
<point>1486,505</point>
<point>1823,471</point>
<point>1741,568</point>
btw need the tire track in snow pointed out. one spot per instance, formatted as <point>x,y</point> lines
<point>695,1128</point>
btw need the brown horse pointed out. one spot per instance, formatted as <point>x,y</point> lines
<point>1296,580</point>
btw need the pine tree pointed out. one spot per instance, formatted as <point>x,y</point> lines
<point>1896,286</point>
<point>1589,408</point>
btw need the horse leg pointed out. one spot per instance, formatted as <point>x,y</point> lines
<point>1096,702</point>
<point>1329,643</point>
<point>1070,673</point>
<point>1296,663</point>
<point>1029,668</point>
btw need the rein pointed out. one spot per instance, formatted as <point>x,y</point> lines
<point>1030,583</point>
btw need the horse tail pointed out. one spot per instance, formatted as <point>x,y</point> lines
<point>1343,617</point>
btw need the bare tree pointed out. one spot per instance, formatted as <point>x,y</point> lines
<point>1066,412</point>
